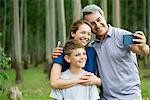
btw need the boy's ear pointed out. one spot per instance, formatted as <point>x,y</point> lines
<point>67,58</point>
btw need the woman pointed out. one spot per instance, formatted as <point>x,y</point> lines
<point>81,30</point>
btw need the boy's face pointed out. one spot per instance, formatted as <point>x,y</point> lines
<point>77,58</point>
<point>83,34</point>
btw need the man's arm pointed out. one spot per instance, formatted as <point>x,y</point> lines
<point>141,48</point>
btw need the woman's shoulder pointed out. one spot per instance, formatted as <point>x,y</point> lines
<point>90,49</point>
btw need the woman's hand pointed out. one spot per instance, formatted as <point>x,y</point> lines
<point>91,79</point>
<point>57,50</point>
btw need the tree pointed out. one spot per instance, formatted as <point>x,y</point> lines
<point>148,35</point>
<point>135,15</point>
<point>61,21</point>
<point>4,24</point>
<point>116,13</point>
<point>76,8</point>
<point>104,7</point>
<point>25,36</point>
<point>17,42</point>
<point>126,14</point>
<point>90,1</point>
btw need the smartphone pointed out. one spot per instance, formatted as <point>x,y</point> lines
<point>128,40</point>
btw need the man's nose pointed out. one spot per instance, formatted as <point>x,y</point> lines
<point>97,24</point>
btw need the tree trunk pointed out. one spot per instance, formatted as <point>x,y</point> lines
<point>148,33</point>
<point>90,1</point>
<point>50,31</point>
<point>17,42</point>
<point>135,15</point>
<point>126,12</point>
<point>145,29</point>
<point>4,25</point>
<point>61,21</point>
<point>21,17</point>
<point>76,8</point>
<point>26,56</point>
<point>47,37</point>
<point>104,7</point>
<point>116,13</point>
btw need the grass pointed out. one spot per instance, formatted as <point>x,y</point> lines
<point>36,86</point>
<point>145,82</point>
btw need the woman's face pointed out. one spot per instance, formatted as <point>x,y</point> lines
<point>83,34</point>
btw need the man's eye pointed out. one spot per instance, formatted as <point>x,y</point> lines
<point>92,23</point>
<point>98,20</point>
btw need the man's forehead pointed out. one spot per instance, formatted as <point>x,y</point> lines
<point>93,16</point>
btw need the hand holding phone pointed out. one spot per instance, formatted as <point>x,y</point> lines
<point>128,39</point>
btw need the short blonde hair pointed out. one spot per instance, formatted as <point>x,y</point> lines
<point>71,45</point>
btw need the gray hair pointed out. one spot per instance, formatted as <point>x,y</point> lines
<point>90,9</point>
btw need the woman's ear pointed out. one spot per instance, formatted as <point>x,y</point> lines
<point>73,34</point>
<point>67,58</point>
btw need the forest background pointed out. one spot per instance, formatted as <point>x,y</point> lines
<point>30,30</point>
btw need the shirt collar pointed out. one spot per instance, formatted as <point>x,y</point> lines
<point>109,33</point>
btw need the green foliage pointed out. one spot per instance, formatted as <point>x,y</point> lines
<point>4,65</point>
<point>4,60</point>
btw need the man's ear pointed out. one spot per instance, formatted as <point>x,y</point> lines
<point>67,58</point>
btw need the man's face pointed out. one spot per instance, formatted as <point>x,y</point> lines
<point>99,25</point>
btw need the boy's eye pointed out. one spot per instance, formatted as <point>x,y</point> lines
<point>77,54</point>
<point>84,53</point>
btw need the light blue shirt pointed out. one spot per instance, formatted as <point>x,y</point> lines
<point>77,92</point>
<point>117,67</point>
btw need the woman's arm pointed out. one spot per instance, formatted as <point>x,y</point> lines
<point>55,80</point>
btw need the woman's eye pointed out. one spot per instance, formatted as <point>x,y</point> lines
<point>89,33</point>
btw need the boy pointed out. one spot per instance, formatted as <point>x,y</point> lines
<point>75,55</point>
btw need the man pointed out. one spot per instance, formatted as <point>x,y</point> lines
<point>117,64</point>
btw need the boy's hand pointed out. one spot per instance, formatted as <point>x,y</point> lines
<point>57,50</point>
